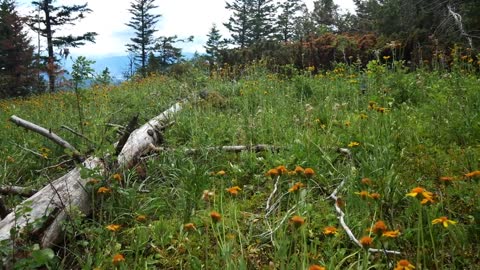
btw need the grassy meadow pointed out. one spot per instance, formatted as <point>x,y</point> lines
<point>408,180</point>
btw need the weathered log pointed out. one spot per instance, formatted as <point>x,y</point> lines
<point>45,132</point>
<point>14,190</point>
<point>67,194</point>
<point>142,139</point>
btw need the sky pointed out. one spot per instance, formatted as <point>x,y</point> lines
<point>183,18</point>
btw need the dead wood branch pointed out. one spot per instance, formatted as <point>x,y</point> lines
<point>15,190</point>
<point>132,125</point>
<point>77,133</point>
<point>45,132</point>
<point>348,231</point>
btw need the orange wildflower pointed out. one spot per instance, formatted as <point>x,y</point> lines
<point>296,187</point>
<point>281,169</point>
<point>379,227</point>
<point>446,179</point>
<point>366,241</point>
<point>221,173</point>
<point>366,181</point>
<point>104,190</point>
<point>316,267</point>
<point>363,194</point>
<point>233,190</point>
<point>141,218</point>
<point>444,221</point>
<point>189,227</point>
<point>391,234</point>
<point>216,217</point>
<point>404,265</point>
<point>329,230</point>
<point>113,227</point>
<point>117,177</point>
<point>298,169</point>
<point>375,196</point>
<point>118,258</point>
<point>272,172</point>
<point>297,221</point>
<point>309,172</point>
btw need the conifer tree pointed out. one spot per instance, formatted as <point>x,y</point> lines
<point>288,18</point>
<point>325,14</point>
<point>168,53</point>
<point>262,19</point>
<point>214,46</point>
<point>16,53</point>
<point>143,22</point>
<point>49,20</point>
<point>239,23</point>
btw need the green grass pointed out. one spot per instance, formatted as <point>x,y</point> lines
<point>423,126</point>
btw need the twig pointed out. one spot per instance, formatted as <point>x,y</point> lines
<point>15,190</point>
<point>54,166</point>
<point>341,217</point>
<point>30,151</point>
<point>275,187</point>
<point>44,132</point>
<point>77,133</point>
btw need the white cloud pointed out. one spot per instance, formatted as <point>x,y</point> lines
<point>179,17</point>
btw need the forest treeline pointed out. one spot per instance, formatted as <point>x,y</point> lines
<point>281,33</point>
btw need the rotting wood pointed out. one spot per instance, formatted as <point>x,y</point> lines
<point>44,132</point>
<point>15,190</point>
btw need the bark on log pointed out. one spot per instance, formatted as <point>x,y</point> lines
<point>68,192</point>
<point>45,132</point>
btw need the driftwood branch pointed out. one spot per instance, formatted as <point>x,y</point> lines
<point>15,190</point>
<point>45,132</point>
<point>348,231</point>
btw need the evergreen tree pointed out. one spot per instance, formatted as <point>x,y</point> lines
<point>288,18</point>
<point>262,18</point>
<point>239,23</point>
<point>16,54</point>
<point>168,53</point>
<point>49,20</point>
<point>325,14</point>
<point>143,22</point>
<point>104,78</point>
<point>214,46</point>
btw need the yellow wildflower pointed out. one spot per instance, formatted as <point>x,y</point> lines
<point>363,194</point>
<point>141,218</point>
<point>353,144</point>
<point>104,190</point>
<point>391,234</point>
<point>329,230</point>
<point>404,265</point>
<point>221,173</point>
<point>444,221</point>
<point>113,227</point>
<point>386,57</point>
<point>422,194</point>
<point>189,227</point>
<point>117,177</point>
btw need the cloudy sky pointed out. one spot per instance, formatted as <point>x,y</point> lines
<point>179,17</point>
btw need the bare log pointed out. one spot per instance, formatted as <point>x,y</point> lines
<point>45,132</point>
<point>14,190</point>
<point>67,194</point>
<point>142,139</point>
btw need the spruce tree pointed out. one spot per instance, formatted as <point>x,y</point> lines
<point>325,14</point>
<point>288,18</point>
<point>143,22</point>
<point>167,53</point>
<point>16,54</point>
<point>49,20</point>
<point>214,46</point>
<point>262,19</point>
<point>239,23</point>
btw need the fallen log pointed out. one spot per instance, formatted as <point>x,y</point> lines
<point>14,190</point>
<point>68,193</point>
